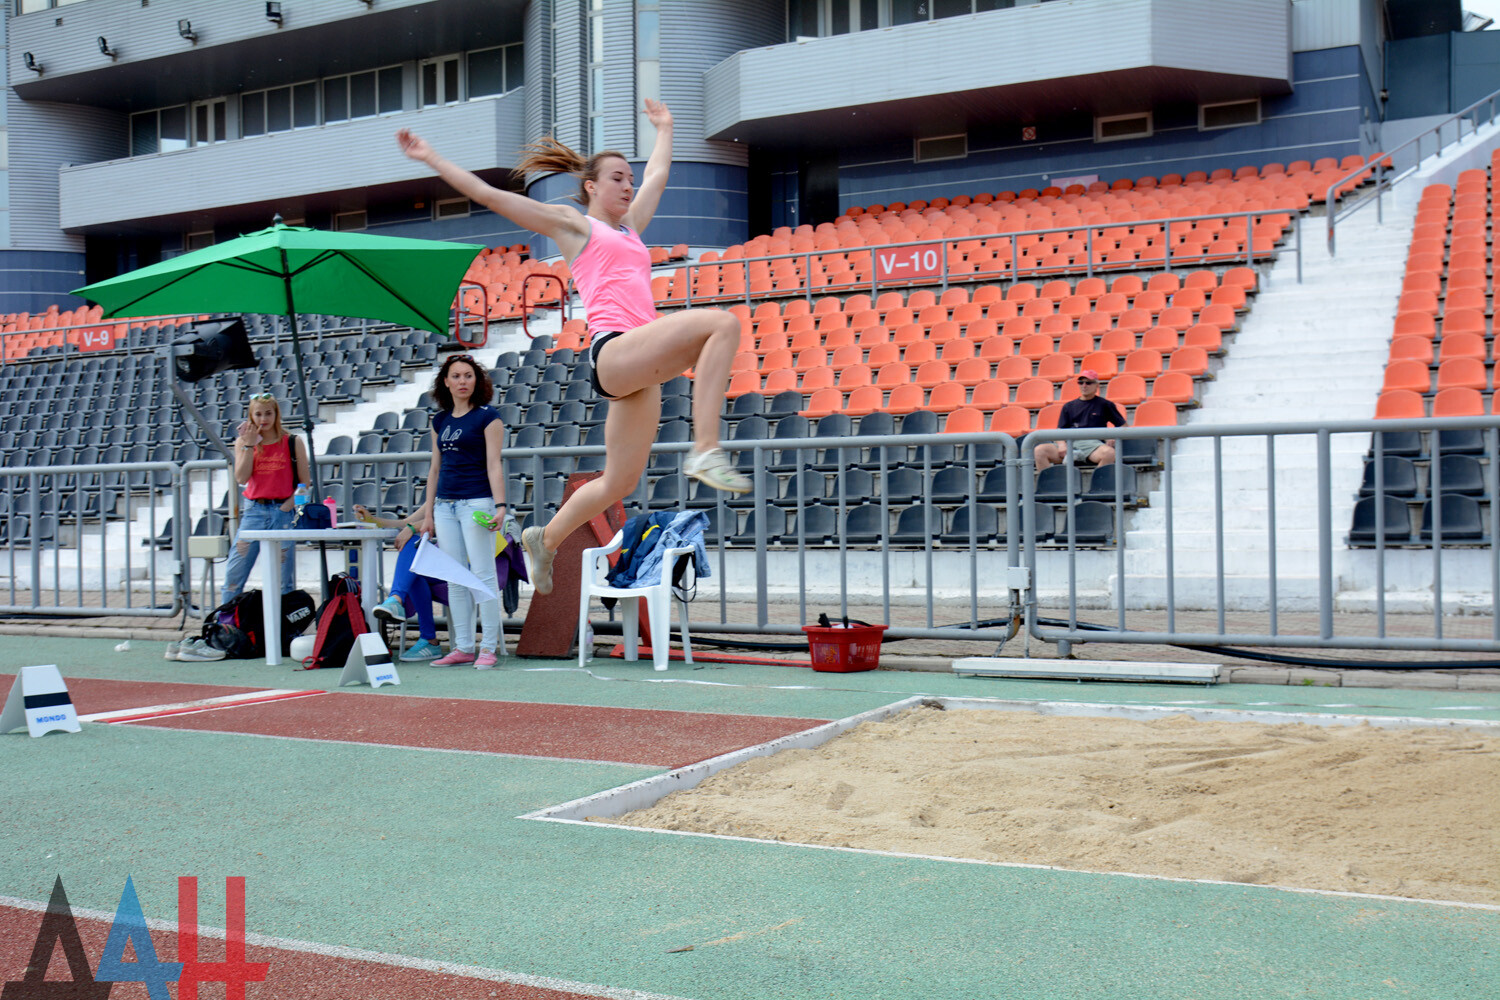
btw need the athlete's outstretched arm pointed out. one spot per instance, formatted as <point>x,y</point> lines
<point>556,221</point>
<point>648,195</point>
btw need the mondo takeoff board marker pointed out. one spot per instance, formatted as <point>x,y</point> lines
<point>39,700</point>
<point>369,663</point>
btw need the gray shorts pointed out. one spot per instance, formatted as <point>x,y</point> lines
<point>1083,448</point>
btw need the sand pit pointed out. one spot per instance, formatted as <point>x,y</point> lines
<point>1404,812</point>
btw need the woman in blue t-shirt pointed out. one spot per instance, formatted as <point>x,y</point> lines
<point>466,476</point>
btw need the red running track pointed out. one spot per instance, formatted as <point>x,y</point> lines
<point>578,732</point>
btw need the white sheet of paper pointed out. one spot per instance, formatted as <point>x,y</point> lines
<point>434,562</point>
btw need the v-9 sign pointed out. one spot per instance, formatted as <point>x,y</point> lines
<point>905,263</point>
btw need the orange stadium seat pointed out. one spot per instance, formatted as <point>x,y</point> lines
<point>1400,404</point>
<point>1458,403</point>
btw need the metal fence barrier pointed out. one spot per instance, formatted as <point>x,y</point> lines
<point>1272,449</point>
<point>968,547</point>
<point>109,513</point>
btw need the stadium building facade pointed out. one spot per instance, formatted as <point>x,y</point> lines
<point>135,129</point>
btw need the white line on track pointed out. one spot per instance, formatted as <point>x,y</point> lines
<point>376,957</point>
<point>407,746</point>
<point>199,705</point>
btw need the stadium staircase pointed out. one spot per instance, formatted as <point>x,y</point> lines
<point>1309,351</point>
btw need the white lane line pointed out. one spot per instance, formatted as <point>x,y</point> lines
<point>375,957</point>
<point>198,705</point>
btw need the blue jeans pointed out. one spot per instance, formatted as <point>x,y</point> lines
<point>258,517</point>
<point>461,538</point>
<point>413,590</point>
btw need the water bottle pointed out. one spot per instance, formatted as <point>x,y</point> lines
<point>300,498</point>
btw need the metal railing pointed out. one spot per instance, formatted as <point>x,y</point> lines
<point>1265,445</point>
<point>1388,168</point>
<point>49,505</point>
<point>943,276</point>
<point>848,540</point>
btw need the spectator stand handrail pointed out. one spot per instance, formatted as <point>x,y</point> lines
<point>1386,161</point>
<point>564,301</point>
<point>462,317</point>
<point>1015,272</point>
<point>8,339</point>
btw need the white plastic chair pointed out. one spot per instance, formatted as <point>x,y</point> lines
<point>657,598</point>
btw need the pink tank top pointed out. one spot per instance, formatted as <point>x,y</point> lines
<point>613,274</point>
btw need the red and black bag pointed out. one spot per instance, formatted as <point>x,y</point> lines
<point>237,627</point>
<point>340,619</point>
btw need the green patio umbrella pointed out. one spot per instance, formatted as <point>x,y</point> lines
<point>293,269</point>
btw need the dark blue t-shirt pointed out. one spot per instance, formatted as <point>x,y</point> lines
<point>462,474</point>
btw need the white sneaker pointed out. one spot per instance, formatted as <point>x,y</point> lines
<point>712,468</point>
<point>196,650</point>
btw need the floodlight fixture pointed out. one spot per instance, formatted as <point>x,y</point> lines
<point>185,29</point>
<point>32,64</point>
<point>105,50</point>
<point>211,347</point>
<point>273,12</point>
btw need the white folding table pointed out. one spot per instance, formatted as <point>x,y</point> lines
<point>369,540</point>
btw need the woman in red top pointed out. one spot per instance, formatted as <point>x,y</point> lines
<point>633,351</point>
<point>265,456</point>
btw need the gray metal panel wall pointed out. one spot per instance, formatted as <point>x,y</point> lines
<point>570,108</point>
<point>619,78</point>
<point>141,33</point>
<point>1332,24</point>
<point>538,40</point>
<point>1249,38</point>
<point>1001,48</point>
<point>1325,24</point>
<point>696,35</point>
<point>53,135</point>
<point>348,156</point>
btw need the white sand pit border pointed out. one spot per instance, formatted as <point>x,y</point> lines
<point>616,802</point>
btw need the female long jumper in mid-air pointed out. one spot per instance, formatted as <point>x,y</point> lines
<point>632,350</point>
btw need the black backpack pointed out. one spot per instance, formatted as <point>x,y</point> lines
<point>298,612</point>
<point>340,619</point>
<point>237,627</point>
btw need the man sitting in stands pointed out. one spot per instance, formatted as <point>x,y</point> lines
<point>1089,410</point>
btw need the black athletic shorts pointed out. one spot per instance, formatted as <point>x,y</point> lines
<point>599,341</point>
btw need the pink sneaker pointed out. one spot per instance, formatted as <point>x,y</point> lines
<point>484,661</point>
<point>457,658</point>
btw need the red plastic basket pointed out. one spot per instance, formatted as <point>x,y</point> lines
<point>844,649</point>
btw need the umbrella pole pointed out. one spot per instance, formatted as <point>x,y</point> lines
<point>307,420</point>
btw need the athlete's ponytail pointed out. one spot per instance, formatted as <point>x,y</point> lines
<point>548,156</point>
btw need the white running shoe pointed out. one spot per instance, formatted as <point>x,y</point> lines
<point>712,468</point>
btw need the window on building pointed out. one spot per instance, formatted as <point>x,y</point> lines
<point>1115,127</point>
<point>647,70</point>
<point>209,122</point>
<point>451,208</point>
<point>1229,114</point>
<point>361,95</point>
<point>942,147</point>
<point>198,240</point>
<point>345,222</point>
<point>495,71</point>
<point>158,131</point>
<point>440,83</point>
<point>821,18</point>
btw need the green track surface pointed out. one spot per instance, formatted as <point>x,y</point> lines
<point>421,854</point>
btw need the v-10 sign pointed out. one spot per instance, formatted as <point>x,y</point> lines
<point>908,262</point>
